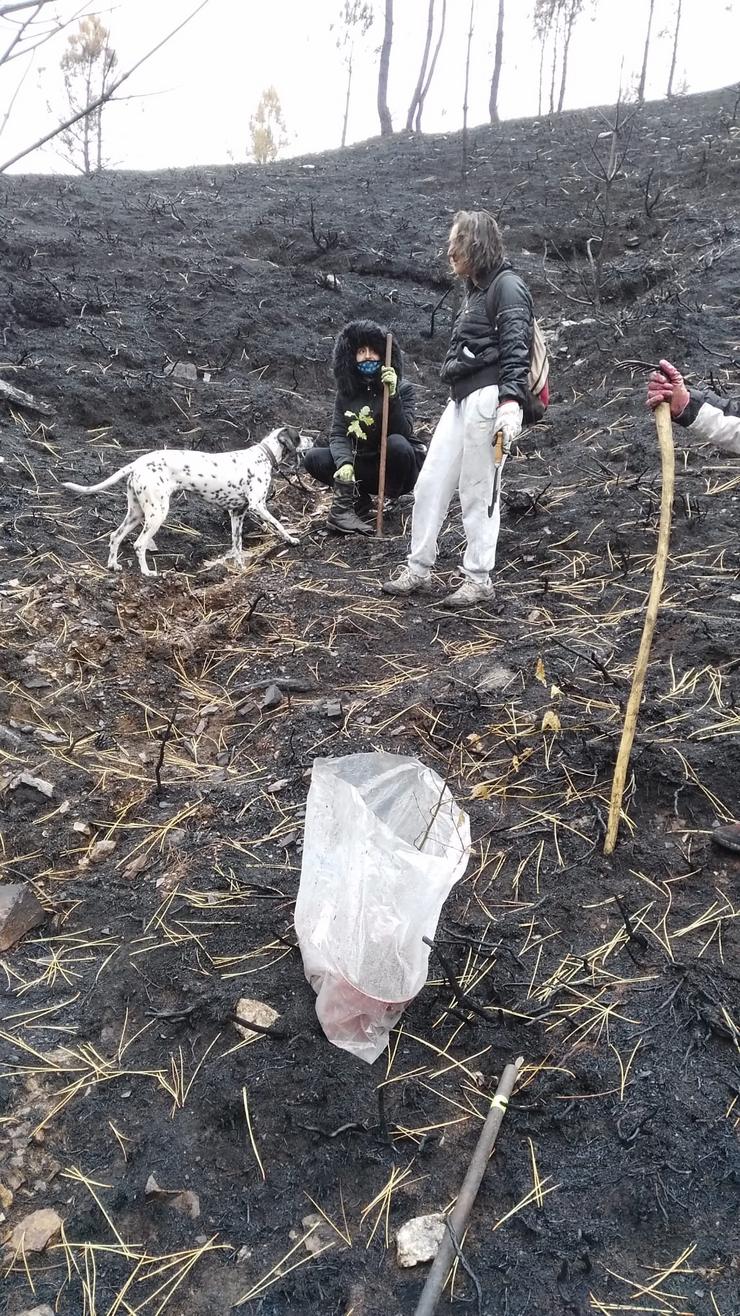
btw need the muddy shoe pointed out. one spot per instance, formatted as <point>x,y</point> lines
<point>469,594</point>
<point>406,581</point>
<point>728,837</point>
<point>342,516</point>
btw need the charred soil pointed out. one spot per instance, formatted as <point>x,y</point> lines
<point>141,703</point>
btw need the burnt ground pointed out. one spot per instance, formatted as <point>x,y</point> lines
<point>614,1186</point>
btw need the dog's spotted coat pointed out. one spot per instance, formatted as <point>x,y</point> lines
<point>237,481</point>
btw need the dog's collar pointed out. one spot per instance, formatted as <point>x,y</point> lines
<point>274,461</point>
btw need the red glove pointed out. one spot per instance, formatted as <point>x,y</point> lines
<point>666,385</point>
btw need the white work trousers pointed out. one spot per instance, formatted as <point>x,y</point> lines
<point>460,457</point>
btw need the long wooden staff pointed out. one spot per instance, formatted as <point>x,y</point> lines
<point>383,441</point>
<point>458,1220</point>
<point>668,467</point>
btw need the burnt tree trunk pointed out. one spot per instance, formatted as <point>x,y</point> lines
<point>643,73</point>
<point>346,99</point>
<point>465,97</point>
<point>497,61</point>
<point>432,66</point>
<point>675,48</point>
<point>554,63</point>
<point>564,71</point>
<point>422,71</point>
<point>386,124</point>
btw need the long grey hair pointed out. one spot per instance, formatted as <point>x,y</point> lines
<point>477,242</point>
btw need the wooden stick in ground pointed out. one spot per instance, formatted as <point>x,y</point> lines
<point>668,465</point>
<point>457,1222</point>
<point>383,441</point>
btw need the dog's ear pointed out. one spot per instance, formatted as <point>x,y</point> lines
<point>291,435</point>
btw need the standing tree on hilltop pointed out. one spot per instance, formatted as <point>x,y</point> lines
<point>267,128</point>
<point>676,31</point>
<point>413,118</point>
<point>88,65</point>
<point>423,70</point>
<point>570,11</point>
<point>497,62</point>
<point>646,52</point>
<point>386,124</point>
<point>356,19</point>
<point>559,18</point>
<point>543,16</point>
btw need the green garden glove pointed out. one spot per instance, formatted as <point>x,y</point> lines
<point>345,473</point>
<point>389,378</point>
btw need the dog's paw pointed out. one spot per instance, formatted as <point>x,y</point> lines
<point>292,539</point>
<point>115,566</point>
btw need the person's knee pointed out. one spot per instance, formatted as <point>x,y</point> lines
<point>319,464</point>
<point>401,464</point>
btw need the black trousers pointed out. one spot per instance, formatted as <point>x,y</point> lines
<point>401,468</point>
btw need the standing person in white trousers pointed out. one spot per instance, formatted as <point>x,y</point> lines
<point>487,368</point>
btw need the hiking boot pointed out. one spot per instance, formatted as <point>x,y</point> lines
<point>469,594</point>
<point>342,515</point>
<point>364,507</point>
<point>406,581</point>
<point>728,837</point>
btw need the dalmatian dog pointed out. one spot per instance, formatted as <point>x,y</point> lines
<point>237,481</point>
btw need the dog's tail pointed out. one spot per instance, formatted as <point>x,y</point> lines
<point>104,484</point>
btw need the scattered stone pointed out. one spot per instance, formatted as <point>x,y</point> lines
<point>19,912</point>
<point>183,1200</point>
<point>273,698</point>
<point>9,737</point>
<point>100,850</point>
<point>328,708</point>
<point>44,1310</point>
<point>34,1232</point>
<point>136,866</point>
<point>182,370</point>
<point>496,678</point>
<point>50,737</point>
<point>320,1237</point>
<point>35,783</point>
<point>80,826</point>
<point>254,1012</point>
<point>419,1239</point>
<point>6,1198</point>
<point>276,786</point>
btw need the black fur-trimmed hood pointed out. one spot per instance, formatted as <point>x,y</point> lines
<point>360,333</point>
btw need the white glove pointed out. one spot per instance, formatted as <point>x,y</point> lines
<point>508,423</point>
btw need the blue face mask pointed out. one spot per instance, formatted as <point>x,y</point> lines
<point>368,368</point>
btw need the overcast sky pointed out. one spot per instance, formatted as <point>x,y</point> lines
<point>192,103</point>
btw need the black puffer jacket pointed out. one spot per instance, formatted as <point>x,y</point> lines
<point>354,392</point>
<point>481,354</point>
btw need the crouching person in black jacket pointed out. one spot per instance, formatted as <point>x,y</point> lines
<point>350,465</point>
<point>487,371</point>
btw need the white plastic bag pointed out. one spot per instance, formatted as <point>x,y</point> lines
<point>384,845</point>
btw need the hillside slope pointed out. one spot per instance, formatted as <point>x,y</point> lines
<point>142,704</point>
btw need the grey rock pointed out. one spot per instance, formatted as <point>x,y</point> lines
<point>19,912</point>
<point>182,370</point>
<point>273,698</point>
<point>419,1239</point>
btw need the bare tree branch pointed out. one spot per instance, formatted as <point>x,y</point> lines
<point>106,96</point>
